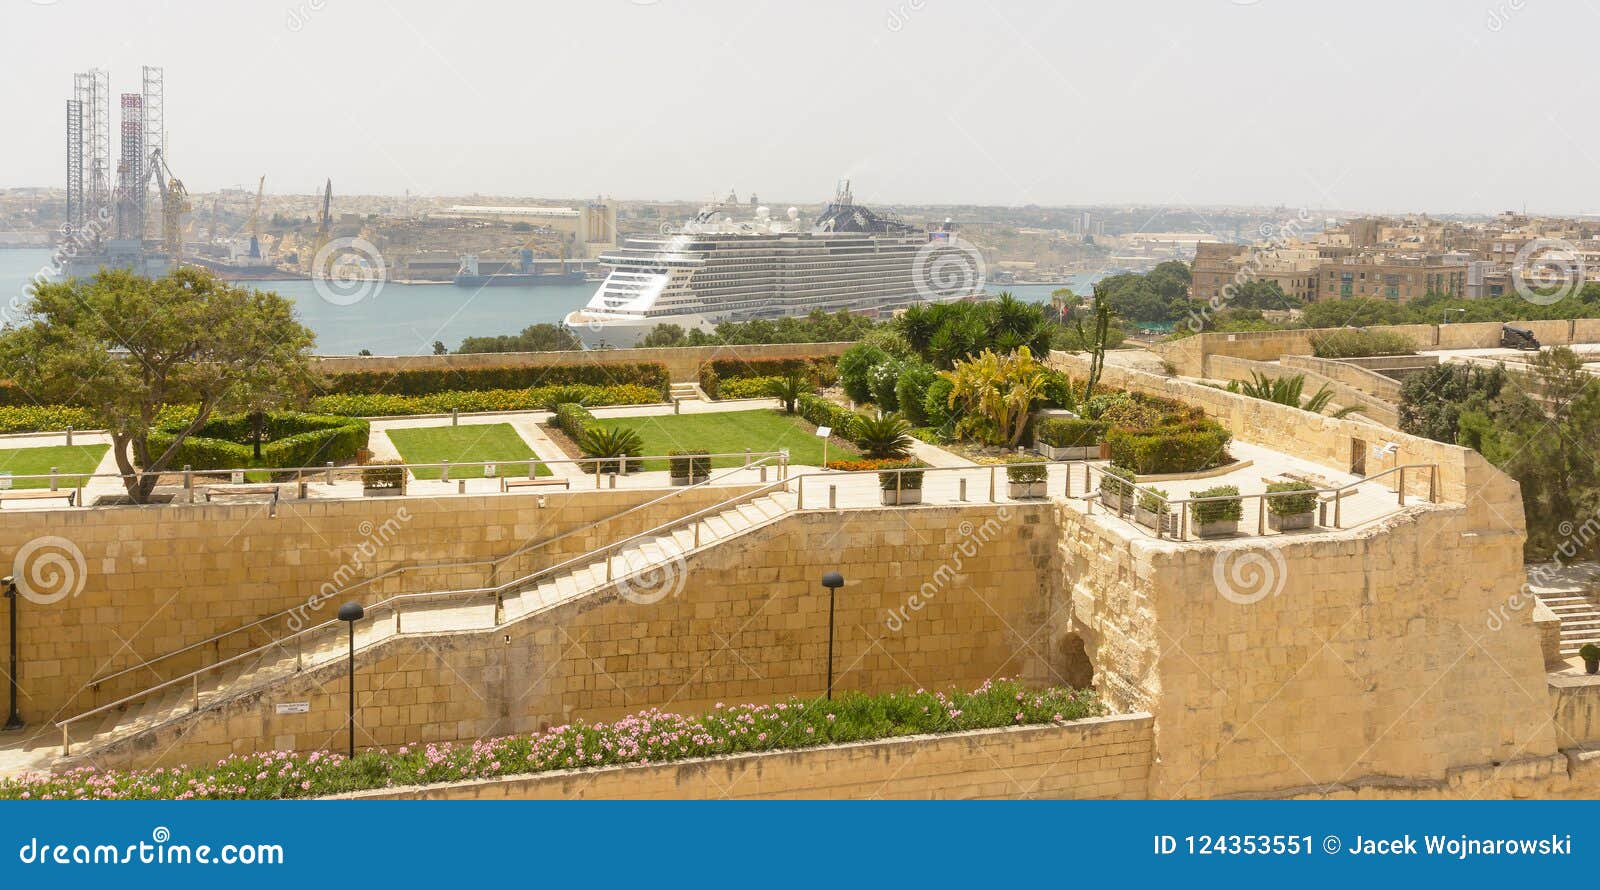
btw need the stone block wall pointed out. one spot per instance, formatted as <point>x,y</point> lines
<point>1102,758</point>
<point>935,597</point>
<point>157,579</point>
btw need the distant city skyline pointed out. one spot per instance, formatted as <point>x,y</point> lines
<point>1384,108</point>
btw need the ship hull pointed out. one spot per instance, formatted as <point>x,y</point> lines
<point>608,333</point>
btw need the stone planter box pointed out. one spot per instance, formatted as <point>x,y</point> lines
<point>1292,522</point>
<point>1217,529</point>
<point>688,480</point>
<point>1074,452</point>
<point>386,491</point>
<point>1148,519</point>
<point>1019,490</point>
<point>1116,503</point>
<point>891,498</point>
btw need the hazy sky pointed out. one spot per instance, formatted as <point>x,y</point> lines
<point>1444,106</point>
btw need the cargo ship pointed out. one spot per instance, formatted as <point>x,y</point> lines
<point>522,273</point>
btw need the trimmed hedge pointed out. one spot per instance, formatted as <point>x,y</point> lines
<point>1176,451</point>
<point>1293,504</point>
<point>384,474</point>
<point>43,418</point>
<point>572,419</point>
<point>688,464</point>
<point>822,412</point>
<point>289,439</point>
<point>430,381</point>
<point>1231,510</point>
<point>1067,432</point>
<point>1026,469</point>
<point>820,371</point>
<point>746,388</point>
<point>911,479</point>
<point>540,398</point>
<point>1117,481</point>
<point>1351,343</point>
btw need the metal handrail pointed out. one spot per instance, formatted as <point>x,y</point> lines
<point>79,479</point>
<point>390,602</point>
<point>398,570</point>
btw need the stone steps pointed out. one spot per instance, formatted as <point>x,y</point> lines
<point>419,617</point>
<point>1572,596</point>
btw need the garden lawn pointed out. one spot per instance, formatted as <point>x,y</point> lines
<point>76,459</point>
<point>731,431</point>
<point>496,442</point>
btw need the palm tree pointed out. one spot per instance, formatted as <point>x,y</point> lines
<point>1288,391</point>
<point>611,442</point>
<point>886,436</point>
<point>788,390</point>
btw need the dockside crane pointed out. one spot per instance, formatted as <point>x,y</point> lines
<point>174,204</point>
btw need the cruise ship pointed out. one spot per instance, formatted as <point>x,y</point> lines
<point>715,269</point>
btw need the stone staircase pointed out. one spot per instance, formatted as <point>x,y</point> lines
<point>413,615</point>
<point>686,392</point>
<point>1573,594</point>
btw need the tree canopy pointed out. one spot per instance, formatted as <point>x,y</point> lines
<point>125,347</point>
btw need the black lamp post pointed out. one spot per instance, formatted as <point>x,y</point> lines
<point>350,613</point>
<point>833,581</point>
<point>13,720</point>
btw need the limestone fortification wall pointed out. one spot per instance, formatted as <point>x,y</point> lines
<point>750,623</point>
<point>1106,757</point>
<point>1352,375</point>
<point>682,362</point>
<point>1189,354</point>
<point>1226,367</point>
<point>160,578</point>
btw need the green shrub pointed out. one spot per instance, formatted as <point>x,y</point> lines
<point>1230,510</point>
<point>573,420</point>
<point>1294,504</point>
<point>911,391</point>
<point>817,371</point>
<point>936,406</point>
<point>428,381</point>
<point>384,474</point>
<point>542,398</point>
<point>1026,469</point>
<point>688,464</point>
<point>1154,500</point>
<point>855,368</point>
<point>1182,451</point>
<point>43,418</point>
<point>910,479</point>
<point>822,412</point>
<point>1117,481</point>
<point>1069,432</point>
<point>788,390</point>
<point>1352,343</point>
<point>746,387</point>
<point>1058,391</point>
<point>882,380</point>
<point>289,439</point>
<point>1589,652</point>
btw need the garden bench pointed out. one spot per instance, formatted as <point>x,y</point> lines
<point>34,494</point>
<point>507,483</point>
<point>244,490</point>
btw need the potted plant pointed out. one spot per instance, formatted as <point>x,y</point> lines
<point>1590,653</point>
<point>1215,518</point>
<point>1116,489</point>
<point>1288,512</point>
<point>1027,478</point>
<point>901,487</point>
<point>1153,513</point>
<point>1068,438</point>
<point>383,477</point>
<point>688,467</point>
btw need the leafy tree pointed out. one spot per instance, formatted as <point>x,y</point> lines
<point>125,348</point>
<point>1432,400</point>
<point>439,348</point>
<point>1160,295</point>
<point>542,337</point>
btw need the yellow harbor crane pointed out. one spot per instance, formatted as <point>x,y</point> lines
<point>174,203</point>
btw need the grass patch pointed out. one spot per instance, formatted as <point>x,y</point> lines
<point>496,442</point>
<point>651,736</point>
<point>731,431</point>
<point>67,459</point>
